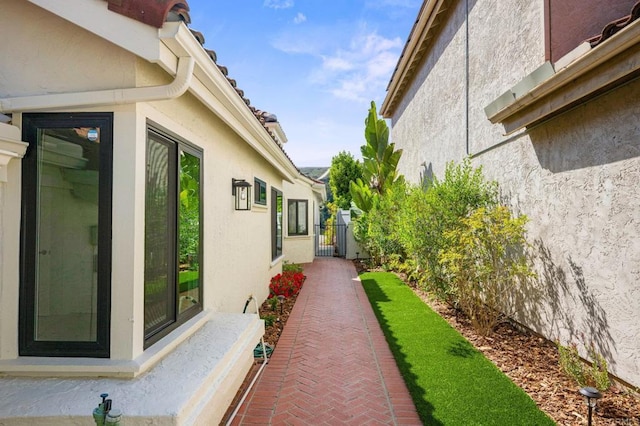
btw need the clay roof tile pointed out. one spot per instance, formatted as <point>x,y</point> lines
<point>151,12</point>
<point>614,26</point>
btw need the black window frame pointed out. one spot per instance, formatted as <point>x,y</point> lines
<point>260,189</point>
<point>177,144</point>
<point>276,240</point>
<point>296,203</point>
<point>27,345</point>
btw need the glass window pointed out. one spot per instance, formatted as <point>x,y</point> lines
<point>297,217</point>
<point>173,234</point>
<point>260,188</point>
<point>65,289</point>
<point>276,223</point>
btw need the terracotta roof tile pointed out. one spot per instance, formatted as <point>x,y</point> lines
<point>156,12</point>
<point>614,26</point>
<point>152,12</point>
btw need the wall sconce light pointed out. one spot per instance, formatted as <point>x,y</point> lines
<point>241,189</point>
<point>591,397</point>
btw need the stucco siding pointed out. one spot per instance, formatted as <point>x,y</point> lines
<point>75,59</point>
<point>427,122</point>
<point>575,176</point>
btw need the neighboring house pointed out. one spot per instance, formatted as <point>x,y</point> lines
<point>125,262</point>
<point>544,96</point>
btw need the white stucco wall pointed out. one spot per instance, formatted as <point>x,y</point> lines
<point>575,177</point>
<point>300,248</point>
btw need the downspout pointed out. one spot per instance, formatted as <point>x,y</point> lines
<point>176,88</point>
<point>467,77</point>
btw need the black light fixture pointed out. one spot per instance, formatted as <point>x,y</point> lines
<point>591,397</point>
<point>241,190</point>
<point>281,300</point>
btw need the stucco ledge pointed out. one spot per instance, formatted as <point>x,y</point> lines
<point>194,384</point>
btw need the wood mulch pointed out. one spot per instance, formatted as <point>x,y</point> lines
<point>529,360</point>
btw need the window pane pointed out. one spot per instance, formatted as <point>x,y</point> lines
<point>260,191</point>
<point>302,218</point>
<point>158,300</point>
<point>279,224</point>
<point>67,234</point>
<point>276,223</point>
<point>189,232</point>
<point>292,223</point>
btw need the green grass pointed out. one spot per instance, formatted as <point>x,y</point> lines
<point>451,382</point>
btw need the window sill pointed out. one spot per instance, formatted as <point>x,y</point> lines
<point>260,207</point>
<point>298,237</point>
<point>91,367</point>
<point>599,70</point>
<point>277,260</point>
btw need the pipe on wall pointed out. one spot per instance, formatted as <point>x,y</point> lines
<point>176,88</point>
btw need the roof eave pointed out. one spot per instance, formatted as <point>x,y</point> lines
<point>413,52</point>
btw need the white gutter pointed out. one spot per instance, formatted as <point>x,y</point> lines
<point>176,88</point>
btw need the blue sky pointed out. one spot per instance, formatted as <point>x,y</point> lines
<point>316,64</point>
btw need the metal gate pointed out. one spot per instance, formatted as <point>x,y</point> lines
<point>331,240</point>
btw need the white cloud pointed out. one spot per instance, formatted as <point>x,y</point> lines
<point>300,18</point>
<point>278,4</point>
<point>352,66</point>
<point>337,64</point>
<point>362,71</point>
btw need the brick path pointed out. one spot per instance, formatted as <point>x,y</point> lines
<point>332,365</point>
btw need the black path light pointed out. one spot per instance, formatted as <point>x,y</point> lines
<point>591,397</point>
<point>281,300</point>
<point>241,190</point>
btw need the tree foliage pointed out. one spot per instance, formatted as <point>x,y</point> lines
<point>380,163</point>
<point>344,169</point>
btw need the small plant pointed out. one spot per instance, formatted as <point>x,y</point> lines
<point>598,372</point>
<point>291,267</point>
<point>269,320</point>
<point>595,375</point>
<point>273,302</point>
<point>571,363</point>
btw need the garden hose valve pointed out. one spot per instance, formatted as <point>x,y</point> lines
<point>100,412</point>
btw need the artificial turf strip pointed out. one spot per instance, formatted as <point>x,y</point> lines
<point>450,381</point>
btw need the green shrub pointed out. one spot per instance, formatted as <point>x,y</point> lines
<point>382,239</point>
<point>291,267</point>
<point>595,375</point>
<point>484,261</point>
<point>427,216</point>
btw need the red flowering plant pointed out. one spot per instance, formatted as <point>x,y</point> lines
<point>287,284</point>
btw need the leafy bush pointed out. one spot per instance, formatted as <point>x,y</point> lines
<point>428,214</point>
<point>595,375</point>
<point>287,284</point>
<point>291,267</point>
<point>382,240</point>
<point>484,262</point>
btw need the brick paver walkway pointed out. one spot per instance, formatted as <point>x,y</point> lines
<point>332,365</point>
